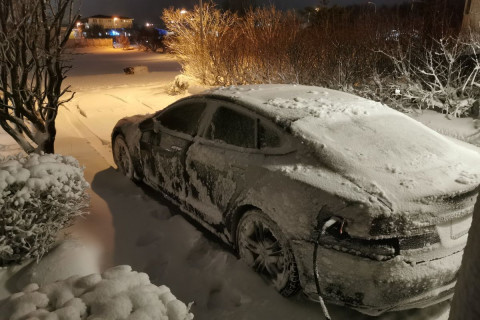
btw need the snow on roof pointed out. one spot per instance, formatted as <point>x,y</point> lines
<point>286,103</point>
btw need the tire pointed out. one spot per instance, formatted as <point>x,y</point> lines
<point>122,157</point>
<point>263,247</point>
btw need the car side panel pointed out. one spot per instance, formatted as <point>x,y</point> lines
<point>216,177</point>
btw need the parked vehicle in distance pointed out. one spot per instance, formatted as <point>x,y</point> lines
<point>268,167</point>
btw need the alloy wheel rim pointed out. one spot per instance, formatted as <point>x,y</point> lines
<point>262,251</point>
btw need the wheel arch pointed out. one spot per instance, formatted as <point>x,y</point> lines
<point>116,131</point>
<point>137,172</point>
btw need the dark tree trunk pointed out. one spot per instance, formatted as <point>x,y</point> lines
<point>49,144</point>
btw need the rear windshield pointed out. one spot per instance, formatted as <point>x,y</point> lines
<point>377,141</point>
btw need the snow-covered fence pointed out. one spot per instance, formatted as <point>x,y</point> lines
<point>39,195</point>
<point>119,293</point>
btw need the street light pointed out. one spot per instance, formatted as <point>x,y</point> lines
<point>183,11</point>
<point>115,22</point>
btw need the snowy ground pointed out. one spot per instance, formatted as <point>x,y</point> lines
<point>134,227</point>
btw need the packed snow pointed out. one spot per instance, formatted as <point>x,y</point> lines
<point>71,257</point>
<point>132,227</point>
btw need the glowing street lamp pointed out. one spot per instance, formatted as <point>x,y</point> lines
<point>183,11</point>
<point>115,22</point>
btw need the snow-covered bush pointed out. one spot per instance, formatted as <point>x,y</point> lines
<point>179,85</point>
<point>39,195</point>
<point>442,74</point>
<point>118,293</point>
<point>397,59</point>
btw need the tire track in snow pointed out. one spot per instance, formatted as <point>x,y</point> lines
<point>101,146</point>
<point>117,97</point>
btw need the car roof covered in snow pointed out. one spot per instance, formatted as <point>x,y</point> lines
<point>385,151</point>
<point>286,103</point>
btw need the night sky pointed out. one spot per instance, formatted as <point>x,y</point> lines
<point>150,10</point>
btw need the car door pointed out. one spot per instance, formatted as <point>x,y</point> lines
<point>164,146</point>
<point>226,159</point>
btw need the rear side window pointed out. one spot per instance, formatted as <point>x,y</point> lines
<point>184,118</point>
<point>233,128</point>
<point>267,138</point>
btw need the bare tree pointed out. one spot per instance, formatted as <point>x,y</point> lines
<point>33,35</point>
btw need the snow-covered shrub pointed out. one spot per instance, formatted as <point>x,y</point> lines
<point>39,195</point>
<point>118,293</point>
<point>437,74</point>
<point>180,84</point>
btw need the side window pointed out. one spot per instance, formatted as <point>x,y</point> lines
<point>267,138</point>
<point>233,128</point>
<point>183,118</point>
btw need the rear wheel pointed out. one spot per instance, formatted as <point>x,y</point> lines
<point>122,157</point>
<point>263,247</point>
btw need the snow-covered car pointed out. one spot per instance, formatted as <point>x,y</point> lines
<point>305,180</point>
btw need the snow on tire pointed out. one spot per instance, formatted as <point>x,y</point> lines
<point>262,245</point>
<point>122,157</point>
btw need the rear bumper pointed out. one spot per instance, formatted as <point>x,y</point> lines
<point>373,287</point>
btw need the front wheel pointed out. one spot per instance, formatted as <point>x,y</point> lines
<point>263,247</point>
<point>122,157</point>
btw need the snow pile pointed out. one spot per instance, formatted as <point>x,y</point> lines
<point>39,195</point>
<point>180,85</point>
<point>118,293</point>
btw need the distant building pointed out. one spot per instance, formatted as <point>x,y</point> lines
<point>108,22</point>
<point>471,16</point>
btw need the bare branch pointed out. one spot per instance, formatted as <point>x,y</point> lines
<point>33,34</point>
